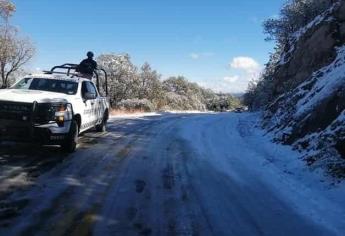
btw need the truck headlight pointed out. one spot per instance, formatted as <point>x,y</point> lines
<point>63,112</point>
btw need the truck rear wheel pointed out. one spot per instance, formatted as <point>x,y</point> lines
<point>102,126</point>
<point>70,144</point>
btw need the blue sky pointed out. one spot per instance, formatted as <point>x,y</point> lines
<point>218,43</point>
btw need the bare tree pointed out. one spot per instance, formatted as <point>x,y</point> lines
<point>7,9</point>
<point>14,50</point>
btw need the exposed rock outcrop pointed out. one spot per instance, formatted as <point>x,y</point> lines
<point>311,116</point>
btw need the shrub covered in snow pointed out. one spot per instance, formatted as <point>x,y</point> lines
<point>136,105</point>
<point>135,88</point>
<point>294,15</point>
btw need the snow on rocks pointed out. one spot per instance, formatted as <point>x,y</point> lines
<point>331,79</point>
<point>311,117</point>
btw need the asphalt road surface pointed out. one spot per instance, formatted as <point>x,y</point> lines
<point>182,174</point>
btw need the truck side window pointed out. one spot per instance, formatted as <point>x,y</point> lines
<point>91,88</point>
<point>87,87</point>
<point>83,89</point>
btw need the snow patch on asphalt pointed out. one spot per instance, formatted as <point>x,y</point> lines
<point>152,114</point>
<point>134,115</point>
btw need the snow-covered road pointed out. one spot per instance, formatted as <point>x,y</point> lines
<point>171,174</point>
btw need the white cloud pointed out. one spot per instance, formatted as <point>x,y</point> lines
<point>248,64</point>
<point>221,85</point>
<point>196,56</point>
<point>231,79</point>
<point>244,69</point>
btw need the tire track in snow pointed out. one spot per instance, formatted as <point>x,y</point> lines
<point>165,206</point>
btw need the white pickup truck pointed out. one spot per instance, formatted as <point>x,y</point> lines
<point>51,109</point>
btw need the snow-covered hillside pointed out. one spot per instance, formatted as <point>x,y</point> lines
<point>311,116</point>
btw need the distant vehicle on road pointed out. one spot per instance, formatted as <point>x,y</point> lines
<point>52,108</point>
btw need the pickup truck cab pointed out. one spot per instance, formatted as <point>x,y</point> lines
<point>51,109</point>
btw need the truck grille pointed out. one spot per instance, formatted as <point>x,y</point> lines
<point>45,112</point>
<point>16,111</point>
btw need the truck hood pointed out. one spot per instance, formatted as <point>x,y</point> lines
<point>30,96</point>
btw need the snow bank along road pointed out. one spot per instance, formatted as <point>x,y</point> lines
<point>182,174</point>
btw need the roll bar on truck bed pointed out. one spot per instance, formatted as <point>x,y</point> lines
<point>71,69</point>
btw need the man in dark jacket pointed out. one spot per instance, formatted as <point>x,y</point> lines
<point>87,66</point>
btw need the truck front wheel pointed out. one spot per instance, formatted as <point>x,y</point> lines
<point>71,141</point>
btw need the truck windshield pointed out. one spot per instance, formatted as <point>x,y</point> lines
<point>50,85</point>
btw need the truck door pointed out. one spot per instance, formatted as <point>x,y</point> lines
<point>89,95</point>
<point>95,106</point>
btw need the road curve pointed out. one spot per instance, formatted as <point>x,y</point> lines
<point>165,175</point>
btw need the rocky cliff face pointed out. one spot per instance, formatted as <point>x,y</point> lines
<point>311,117</point>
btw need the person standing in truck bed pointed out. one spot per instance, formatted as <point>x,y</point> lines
<point>87,67</point>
